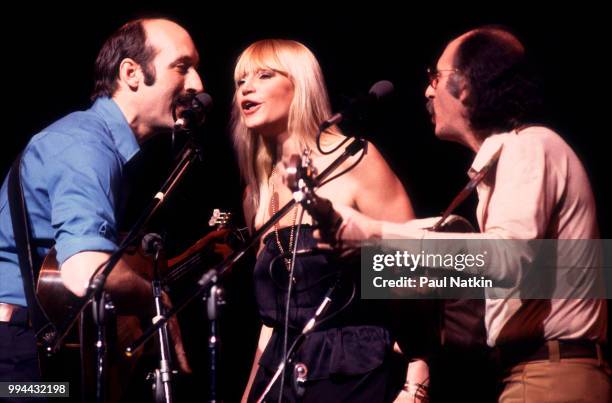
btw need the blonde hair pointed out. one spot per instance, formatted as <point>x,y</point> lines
<point>309,107</point>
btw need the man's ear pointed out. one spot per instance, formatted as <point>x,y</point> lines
<point>130,73</point>
<point>464,90</point>
<point>458,88</point>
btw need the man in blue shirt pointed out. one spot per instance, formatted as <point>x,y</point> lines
<point>71,174</point>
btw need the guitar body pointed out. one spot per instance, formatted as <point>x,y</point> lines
<point>463,319</point>
<point>60,305</point>
<point>72,355</point>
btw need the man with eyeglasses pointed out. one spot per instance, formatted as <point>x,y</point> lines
<point>484,95</point>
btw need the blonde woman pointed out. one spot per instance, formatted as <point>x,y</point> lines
<point>280,100</point>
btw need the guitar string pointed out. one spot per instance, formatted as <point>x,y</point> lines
<point>178,272</point>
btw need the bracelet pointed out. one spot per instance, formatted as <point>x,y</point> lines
<point>416,386</point>
<point>417,390</point>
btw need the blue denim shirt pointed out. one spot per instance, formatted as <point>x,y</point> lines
<point>71,176</point>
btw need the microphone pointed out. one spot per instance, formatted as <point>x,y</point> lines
<point>378,91</point>
<point>151,243</point>
<point>194,112</point>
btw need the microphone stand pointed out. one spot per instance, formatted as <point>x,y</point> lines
<point>306,330</point>
<point>211,277</point>
<point>101,308</point>
<point>162,380</point>
<point>191,152</point>
<point>213,300</point>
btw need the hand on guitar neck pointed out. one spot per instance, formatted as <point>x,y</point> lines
<point>356,227</point>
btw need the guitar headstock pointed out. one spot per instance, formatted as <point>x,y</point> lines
<point>300,173</point>
<point>301,179</point>
<point>220,219</point>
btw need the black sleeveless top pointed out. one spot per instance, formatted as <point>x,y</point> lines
<point>354,339</point>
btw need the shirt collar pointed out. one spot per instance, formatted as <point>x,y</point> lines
<point>120,130</point>
<point>490,146</point>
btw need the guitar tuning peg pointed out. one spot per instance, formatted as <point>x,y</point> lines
<point>219,218</point>
<point>214,217</point>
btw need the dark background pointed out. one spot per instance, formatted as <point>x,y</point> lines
<point>48,61</point>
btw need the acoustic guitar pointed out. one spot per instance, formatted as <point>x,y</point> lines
<point>72,331</point>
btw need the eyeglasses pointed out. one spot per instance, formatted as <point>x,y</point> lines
<point>433,74</point>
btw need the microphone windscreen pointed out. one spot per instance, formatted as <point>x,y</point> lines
<point>205,100</point>
<point>381,89</point>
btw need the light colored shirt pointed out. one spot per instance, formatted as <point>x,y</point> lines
<point>539,190</point>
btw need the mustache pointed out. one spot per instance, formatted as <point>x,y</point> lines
<point>183,101</point>
<point>429,107</point>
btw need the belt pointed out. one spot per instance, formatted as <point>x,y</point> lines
<point>553,350</point>
<point>14,314</point>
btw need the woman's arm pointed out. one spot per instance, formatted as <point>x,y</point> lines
<point>378,192</point>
